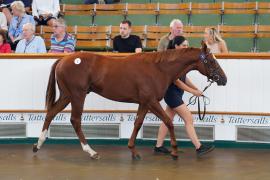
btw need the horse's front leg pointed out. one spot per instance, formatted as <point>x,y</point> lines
<point>156,108</point>
<point>142,110</point>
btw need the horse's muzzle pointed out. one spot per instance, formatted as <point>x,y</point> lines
<point>222,81</point>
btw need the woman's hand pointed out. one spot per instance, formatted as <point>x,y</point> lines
<point>197,92</point>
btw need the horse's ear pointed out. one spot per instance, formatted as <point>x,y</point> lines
<point>204,46</point>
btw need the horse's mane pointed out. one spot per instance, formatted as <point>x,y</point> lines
<point>163,56</point>
<point>172,54</point>
<point>168,55</point>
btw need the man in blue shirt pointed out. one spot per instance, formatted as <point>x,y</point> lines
<point>30,43</point>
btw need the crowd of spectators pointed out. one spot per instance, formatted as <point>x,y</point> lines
<point>18,21</point>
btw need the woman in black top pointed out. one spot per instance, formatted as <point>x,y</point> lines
<point>176,105</point>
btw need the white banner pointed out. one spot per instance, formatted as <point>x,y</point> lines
<point>209,119</point>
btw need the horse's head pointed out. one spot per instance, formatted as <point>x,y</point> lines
<point>208,66</point>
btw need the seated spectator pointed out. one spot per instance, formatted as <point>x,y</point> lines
<point>125,42</point>
<point>7,11</point>
<point>61,41</point>
<point>176,29</point>
<point>214,41</point>
<point>30,43</point>
<point>18,20</point>
<point>45,11</point>
<point>3,21</point>
<point>4,45</point>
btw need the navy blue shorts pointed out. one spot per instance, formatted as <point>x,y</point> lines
<point>174,97</point>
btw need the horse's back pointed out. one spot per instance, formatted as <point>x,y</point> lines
<point>120,79</point>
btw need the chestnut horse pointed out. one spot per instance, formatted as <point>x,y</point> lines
<point>140,78</point>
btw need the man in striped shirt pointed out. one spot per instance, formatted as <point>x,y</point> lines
<point>61,41</point>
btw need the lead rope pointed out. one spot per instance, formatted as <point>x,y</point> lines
<point>206,101</point>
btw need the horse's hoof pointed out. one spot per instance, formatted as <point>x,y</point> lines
<point>174,157</point>
<point>35,149</point>
<point>96,156</point>
<point>136,157</point>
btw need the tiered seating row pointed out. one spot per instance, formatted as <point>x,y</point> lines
<point>238,38</point>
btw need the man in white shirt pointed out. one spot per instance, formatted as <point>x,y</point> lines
<point>45,11</point>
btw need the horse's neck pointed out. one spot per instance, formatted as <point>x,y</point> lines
<point>180,65</point>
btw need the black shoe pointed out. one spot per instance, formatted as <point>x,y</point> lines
<point>161,149</point>
<point>204,149</point>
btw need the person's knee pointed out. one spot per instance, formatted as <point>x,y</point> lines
<point>187,117</point>
<point>189,121</point>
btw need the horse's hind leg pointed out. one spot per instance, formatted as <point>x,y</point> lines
<point>77,104</point>
<point>137,125</point>
<point>156,108</point>
<point>59,105</point>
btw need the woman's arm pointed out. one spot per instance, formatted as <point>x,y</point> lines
<point>190,84</point>
<point>185,87</point>
<point>223,47</point>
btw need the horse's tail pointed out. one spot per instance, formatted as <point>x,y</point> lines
<point>51,87</point>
